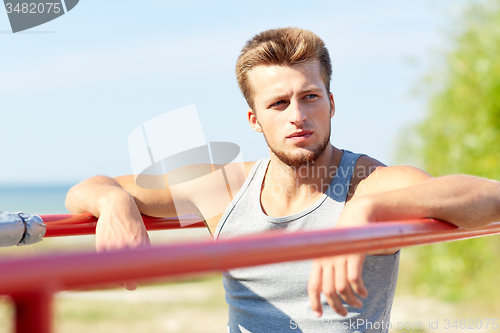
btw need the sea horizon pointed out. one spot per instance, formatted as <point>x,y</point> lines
<point>36,198</point>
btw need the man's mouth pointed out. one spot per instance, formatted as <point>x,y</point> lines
<point>300,135</point>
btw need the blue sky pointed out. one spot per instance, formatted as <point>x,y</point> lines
<point>73,89</point>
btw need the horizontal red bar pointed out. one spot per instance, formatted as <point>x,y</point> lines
<point>92,270</point>
<point>84,224</point>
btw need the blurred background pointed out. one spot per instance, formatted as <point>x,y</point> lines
<point>414,83</point>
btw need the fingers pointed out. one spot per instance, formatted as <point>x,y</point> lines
<point>330,289</point>
<point>339,278</point>
<point>343,285</point>
<point>355,275</point>
<point>314,289</point>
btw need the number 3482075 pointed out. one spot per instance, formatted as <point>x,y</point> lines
<point>33,8</point>
<point>471,324</point>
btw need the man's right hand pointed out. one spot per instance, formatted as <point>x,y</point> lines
<point>120,226</point>
<point>120,223</point>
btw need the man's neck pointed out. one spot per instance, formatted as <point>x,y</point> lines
<point>287,190</point>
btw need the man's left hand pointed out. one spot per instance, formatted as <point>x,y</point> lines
<point>337,277</point>
<point>340,277</point>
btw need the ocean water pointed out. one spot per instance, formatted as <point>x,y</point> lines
<point>37,199</point>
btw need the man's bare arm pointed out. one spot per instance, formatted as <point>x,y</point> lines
<point>398,193</point>
<point>466,201</point>
<point>100,192</point>
<point>118,202</point>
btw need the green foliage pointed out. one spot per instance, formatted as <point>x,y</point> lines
<point>462,131</point>
<point>461,134</point>
<point>455,271</point>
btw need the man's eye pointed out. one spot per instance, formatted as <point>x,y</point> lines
<point>278,103</point>
<point>309,96</point>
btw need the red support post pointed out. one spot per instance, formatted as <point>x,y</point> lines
<point>33,311</point>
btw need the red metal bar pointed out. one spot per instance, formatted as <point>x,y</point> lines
<point>40,276</point>
<point>91,270</point>
<point>84,224</point>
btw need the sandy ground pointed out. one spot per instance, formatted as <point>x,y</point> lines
<point>199,306</point>
<point>412,314</point>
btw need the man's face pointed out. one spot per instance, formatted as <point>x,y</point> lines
<point>293,110</point>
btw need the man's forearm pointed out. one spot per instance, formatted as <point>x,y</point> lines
<point>95,193</point>
<point>466,201</point>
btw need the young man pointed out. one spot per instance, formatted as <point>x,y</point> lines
<point>306,184</point>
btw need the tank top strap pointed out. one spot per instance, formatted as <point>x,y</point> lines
<point>339,187</point>
<point>257,170</point>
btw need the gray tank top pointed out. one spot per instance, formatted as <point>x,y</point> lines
<point>273,298</point>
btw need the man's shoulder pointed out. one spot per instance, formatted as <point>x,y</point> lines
<point>365,166</point>
<point>248,167</point>
<point>242,170</point>
<point>372,176</point>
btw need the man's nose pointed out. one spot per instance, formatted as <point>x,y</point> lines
<point>297,114</point>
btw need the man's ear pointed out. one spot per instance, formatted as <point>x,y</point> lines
<point>332,102</point>
<point>252,119</point>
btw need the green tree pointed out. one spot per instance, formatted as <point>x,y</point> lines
<point>461,134</point>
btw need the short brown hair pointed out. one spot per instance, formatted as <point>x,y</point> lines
<point>283,46</point>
